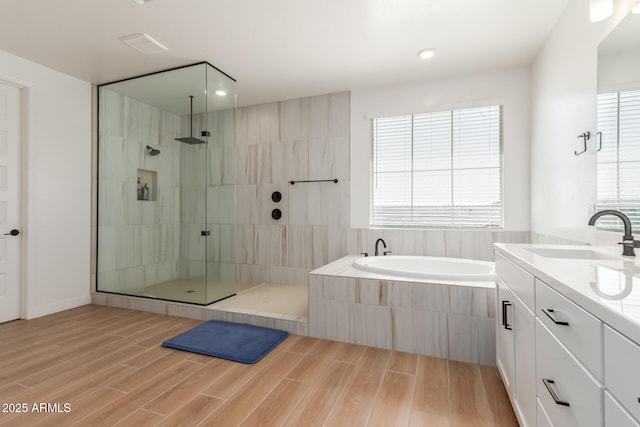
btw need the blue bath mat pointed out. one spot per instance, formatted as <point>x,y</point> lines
<point>233,341</point>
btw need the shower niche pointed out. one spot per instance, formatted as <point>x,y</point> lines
<point>146,186</point>
<point>166,185</point>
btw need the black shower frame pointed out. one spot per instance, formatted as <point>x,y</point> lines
<point>98,173</point>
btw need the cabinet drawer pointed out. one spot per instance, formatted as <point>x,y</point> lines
<point>615,415</point>
<point>621,373</point>
<point>576,329</point>
<point>571,396</point>
<point>520,282</point>
<point>542,417</point>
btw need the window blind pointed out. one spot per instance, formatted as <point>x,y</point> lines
<point>438,169</point>
<point>618,162</point>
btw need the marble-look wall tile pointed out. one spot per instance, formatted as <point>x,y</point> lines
<point>431,332</point>
<point>422,332</point>
<point>128,244</point>
<point>248,199</point>
<point>112,113</point>
<point>370,325</point>
<point>296,161</point>
<point>139,304</point>
<point>318,117</point>
<point>210,314</point>
<point>333,288</point>
<point>268,123</point>
<point>487,342</point>
<point>329,158</point>
<point>293,119</point>
<point>371,292</point>
<point>250,319</point>
<point>327,319</point>
<point>300,246</point>
<point>251,273</point>
<point>472,301</point>
<point>189,312</point>
<point>472,339</point>
<point>287,275</point>
<point>293,327</point>
<point>419,296</point>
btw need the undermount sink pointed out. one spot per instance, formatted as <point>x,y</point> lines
<point>574,253</point>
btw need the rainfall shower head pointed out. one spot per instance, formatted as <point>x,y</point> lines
<point>190,139</point>
<point>152,151</point>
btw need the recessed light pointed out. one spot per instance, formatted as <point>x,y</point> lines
<point>221,93</point>
<point>600,9</point>
<point>141,2</point>
<point>426,53</point>
<point>143,42</point>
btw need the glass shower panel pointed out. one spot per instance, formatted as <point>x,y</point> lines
<point>221,188</point>
<point>155,228</point>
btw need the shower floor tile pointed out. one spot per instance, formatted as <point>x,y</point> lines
<point>186,290</point>
<point>288,302</point>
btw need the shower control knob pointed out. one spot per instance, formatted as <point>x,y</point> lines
<point>276,214</point>
<point>13,232</point>
<point>276,196</point>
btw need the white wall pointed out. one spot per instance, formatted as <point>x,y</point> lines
<point>507,87</point>
<point>563,94</point>
<point>57,214</point>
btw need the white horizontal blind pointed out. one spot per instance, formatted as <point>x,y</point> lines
<point>619,158</point>
<point>438,169</point>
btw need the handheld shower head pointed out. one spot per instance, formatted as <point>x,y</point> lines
<point>152,151</point>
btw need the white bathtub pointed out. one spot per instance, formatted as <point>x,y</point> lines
<point>425,267</point>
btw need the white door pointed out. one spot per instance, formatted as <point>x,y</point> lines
<point>10,136</point>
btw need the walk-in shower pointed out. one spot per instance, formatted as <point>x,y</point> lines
<point>166,201</point>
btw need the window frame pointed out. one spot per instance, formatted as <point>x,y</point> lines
<point>452,137</point>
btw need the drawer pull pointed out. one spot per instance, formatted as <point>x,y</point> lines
<point>548,312</point>
<point>554,395</point>
<point>505,321</point>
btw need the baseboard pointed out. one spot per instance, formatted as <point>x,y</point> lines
<point>67,304</point>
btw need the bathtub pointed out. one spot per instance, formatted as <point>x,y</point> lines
<point>425,267</point>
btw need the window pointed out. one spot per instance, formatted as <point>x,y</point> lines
<point>619,159</point>
<point>438,169</point>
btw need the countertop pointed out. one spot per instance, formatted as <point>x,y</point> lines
<point>608,289</point>
<point>344,267</point>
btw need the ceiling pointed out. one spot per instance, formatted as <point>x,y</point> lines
<point>281,49</point>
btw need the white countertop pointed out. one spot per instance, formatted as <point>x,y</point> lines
<point>608,289</point>
<point>344,267</point>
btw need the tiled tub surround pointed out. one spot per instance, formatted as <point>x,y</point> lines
<point>454,320</point>
<point>309,138</point>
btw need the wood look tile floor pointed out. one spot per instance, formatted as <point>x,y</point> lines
<point>108,366</point>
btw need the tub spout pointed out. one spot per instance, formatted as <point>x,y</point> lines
<point>384,245</point>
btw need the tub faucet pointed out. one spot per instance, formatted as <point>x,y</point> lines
<point>384,245</point>
<point>628,244</point>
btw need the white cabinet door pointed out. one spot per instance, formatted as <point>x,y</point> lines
<point>505,359</point>
<point>525,393</point>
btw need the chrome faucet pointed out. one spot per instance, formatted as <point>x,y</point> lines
<point>384,245</point>
<point>628,244</point>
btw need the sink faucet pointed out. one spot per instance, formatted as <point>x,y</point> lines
<point>628,244</point>
<point>384,245</point>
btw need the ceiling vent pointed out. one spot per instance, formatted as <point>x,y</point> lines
<point>144,43</point>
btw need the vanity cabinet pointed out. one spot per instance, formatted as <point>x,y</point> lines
<point>622,371</point>
<point>562,365</point>
<point>516,333</point>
